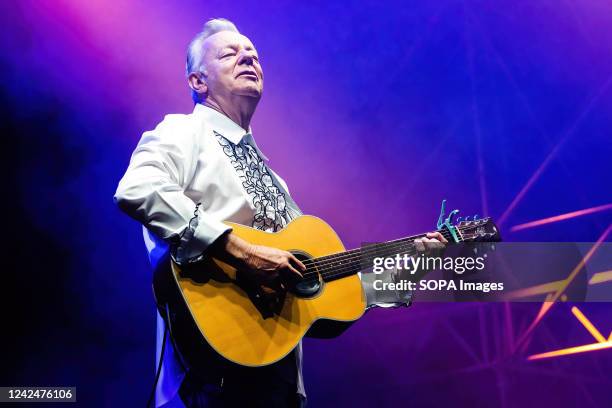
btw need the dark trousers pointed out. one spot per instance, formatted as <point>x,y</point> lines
<point>272,386</point>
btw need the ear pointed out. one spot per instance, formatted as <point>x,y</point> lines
<point>197,83</point>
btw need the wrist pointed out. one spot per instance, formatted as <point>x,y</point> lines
<point>233,250</point>
<point>240,250</point>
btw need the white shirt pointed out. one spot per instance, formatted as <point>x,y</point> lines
<point>207,162</point>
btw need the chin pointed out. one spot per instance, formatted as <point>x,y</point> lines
<point>253,92</point>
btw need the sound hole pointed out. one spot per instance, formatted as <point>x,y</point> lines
<point>311,284</point>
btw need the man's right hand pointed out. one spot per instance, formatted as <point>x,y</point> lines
<point>266,266</point>
<point>272,264</point>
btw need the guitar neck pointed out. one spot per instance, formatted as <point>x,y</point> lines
<point>340,265</point>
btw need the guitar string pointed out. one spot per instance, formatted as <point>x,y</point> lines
<point>349,270</point>
<point>333,258</point>
<point>336,275</point>
<point>353,267</point>
<point>346,262</point>
<point>342,256</point>
<point>361,253</point>
<point>356,254</point>
<point>343,262</point>
<point>404,239</point>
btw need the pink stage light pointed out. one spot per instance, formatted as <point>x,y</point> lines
<point>561,217</point>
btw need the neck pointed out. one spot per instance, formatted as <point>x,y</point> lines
<point>239,109</point>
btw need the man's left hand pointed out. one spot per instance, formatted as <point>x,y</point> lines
<point>431,242</point>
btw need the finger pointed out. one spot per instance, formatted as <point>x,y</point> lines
<point>294,271</point>
<point>432,243</point>
<point>418,243</point>
<point>437,235</point>
<point>297,261</point>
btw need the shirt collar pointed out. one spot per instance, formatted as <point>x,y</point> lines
<point>226,127</point>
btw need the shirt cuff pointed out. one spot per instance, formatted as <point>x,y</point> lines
<point>383,298</point>
<point>201,232</point>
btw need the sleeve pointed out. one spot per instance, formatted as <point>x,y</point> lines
<point>152,189</point>
<point>378,295</point>
<point>384,298</point>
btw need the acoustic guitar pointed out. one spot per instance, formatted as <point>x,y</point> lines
<point>210,309</point>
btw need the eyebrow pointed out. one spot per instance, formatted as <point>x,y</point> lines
<point>236,46</point>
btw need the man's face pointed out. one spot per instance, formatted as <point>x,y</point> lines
<point>232,65</point>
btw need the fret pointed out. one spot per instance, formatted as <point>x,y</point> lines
<point>339,265</point>
<point>355,260</point>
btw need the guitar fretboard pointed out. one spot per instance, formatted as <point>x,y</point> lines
<point>339,265</point>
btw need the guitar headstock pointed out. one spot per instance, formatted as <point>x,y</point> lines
<point>469,229</point>
<point>478,230</point>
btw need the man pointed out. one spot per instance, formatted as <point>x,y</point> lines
<point>195,171</point>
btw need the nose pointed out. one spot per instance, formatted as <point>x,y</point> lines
<point>245,58</point>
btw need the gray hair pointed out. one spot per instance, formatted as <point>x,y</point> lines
<point>195,52</point>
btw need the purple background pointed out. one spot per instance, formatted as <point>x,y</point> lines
<point>373,112</point>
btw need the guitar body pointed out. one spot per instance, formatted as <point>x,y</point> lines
<point>209,304</point>
<point>218,318</point>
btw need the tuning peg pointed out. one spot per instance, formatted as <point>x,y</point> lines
<point>449,219</point>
